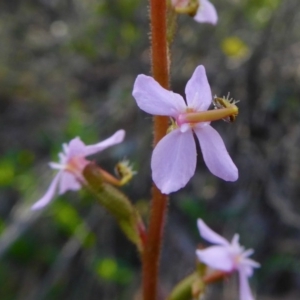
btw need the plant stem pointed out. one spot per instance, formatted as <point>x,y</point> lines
<point>159,203</point>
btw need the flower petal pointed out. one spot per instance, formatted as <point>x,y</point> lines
<point>209,235</point>
<point>248,252</point>
<point>247,265</point>
<point>197,90</point>
<point>216,257</point>
<point>75,148</point>
<point>68,182</point>
<point>173,161</point>
<point>49,193</point>
<point>215,154</point>
<point>155,100</point>
<point>245,291</point>
<point>206,13</point>
<point>116,138</point>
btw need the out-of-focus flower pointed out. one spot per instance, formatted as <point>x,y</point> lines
<point>71,164</point>
<point>202,11</point>
<point>173,160</point>
<point>227,257</point>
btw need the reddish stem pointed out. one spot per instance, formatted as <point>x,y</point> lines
<point>159,204</point>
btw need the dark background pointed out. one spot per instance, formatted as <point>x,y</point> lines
<point>67,69</point>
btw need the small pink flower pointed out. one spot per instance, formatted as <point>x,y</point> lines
<point>205,13</point>
<point>173,160</point>
<point>71,164</point>
<point>227,257</point>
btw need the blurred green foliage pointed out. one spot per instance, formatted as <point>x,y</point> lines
<point>112,270</point>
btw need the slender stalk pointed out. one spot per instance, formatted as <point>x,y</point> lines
<point>159,203</point>
<point>209,115</point>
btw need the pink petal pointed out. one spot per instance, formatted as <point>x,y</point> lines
<point>174,161</point>
<point>209,235</point>
<point>235,241</point>
<point>68,182</point>
<point>197,90</point>
<point>216,257</point>
<point>247,266</point>
<point>245,291</point>
<point>215,154</point>
<point>49,193</point>
<point>248,252</point>
<point>75,148</point>
<point>155,100</point>
<point>116,138</point>
<point>206,13</point>
<point>252,263</point>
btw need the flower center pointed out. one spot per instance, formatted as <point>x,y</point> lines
<point>75,165</point>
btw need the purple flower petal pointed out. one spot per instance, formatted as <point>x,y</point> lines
<point>248,252</point>
<point>245,291</point>
<point>49,193</point>
<point>75,148</point>
<point>215,154</point>
<point>154,99</point>
<point>68,182</point>
<point>216,257</point>
<point>247,265</point>
<point>174,161</point>
<point>206,13</point>
<point>209,235</point>
<point>114,139</point>
<point>197,90</point>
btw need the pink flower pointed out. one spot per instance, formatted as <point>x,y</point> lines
<point>174,157</point>
<point>203,11</point>
<point>227,257</point>
<point>71,164</point>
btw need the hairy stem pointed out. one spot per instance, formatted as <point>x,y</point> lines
<point>159,203</point>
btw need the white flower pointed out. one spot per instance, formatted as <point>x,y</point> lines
<point>174,158</point>
<point>227,257</point>
<point>71,165</point>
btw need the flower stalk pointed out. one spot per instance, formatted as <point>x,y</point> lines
<point>159,203</point>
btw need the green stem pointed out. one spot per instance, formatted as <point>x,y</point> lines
<point>159,204</point>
